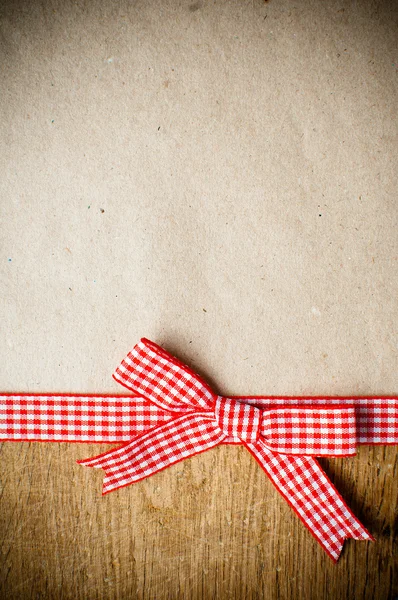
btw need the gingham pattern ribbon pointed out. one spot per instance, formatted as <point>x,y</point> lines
<point>173,415</point>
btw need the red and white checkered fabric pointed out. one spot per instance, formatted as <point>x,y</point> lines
<point>173,415</point>
<point>151,372</point>
<point>318,431</point>
<point>73,418</point>
<point>238,419</point>
<point>376,418</point>
<point>312,496</point>
<point>185,436</point>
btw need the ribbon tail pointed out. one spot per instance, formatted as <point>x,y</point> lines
<point>312,496</point>
<point>156,450</point>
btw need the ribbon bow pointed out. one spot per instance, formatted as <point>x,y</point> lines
<point>173,415</point>
<point>283,440</point>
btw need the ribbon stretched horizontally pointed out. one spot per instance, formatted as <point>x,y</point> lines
<point>173,415</point>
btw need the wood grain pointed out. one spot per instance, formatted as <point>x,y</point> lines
<point>210,527</point>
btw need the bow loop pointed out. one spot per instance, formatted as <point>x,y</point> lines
<point>237,419</point>
<point>150,371</point>
<point>309,430</point>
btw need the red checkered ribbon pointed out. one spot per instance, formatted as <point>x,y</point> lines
<point>173,415</point>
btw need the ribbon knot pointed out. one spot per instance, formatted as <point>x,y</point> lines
<point>238,420</point>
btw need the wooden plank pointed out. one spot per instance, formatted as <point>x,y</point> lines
<point>210,527</point>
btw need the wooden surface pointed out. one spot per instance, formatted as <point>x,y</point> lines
<point>210,527</point>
